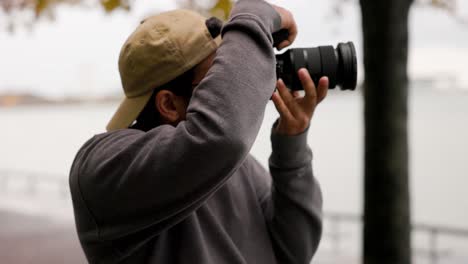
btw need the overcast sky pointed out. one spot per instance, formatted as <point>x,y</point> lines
<point>77,53</point>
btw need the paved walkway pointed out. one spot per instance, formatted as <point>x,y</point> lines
<point>28,239</point>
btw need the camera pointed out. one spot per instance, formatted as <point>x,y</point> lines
<point>339,65</point>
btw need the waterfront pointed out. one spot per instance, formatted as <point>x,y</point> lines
<point>42,140</point>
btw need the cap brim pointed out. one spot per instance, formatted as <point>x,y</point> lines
<point>128,111</point>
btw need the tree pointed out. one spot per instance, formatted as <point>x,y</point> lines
<point>387,224</point>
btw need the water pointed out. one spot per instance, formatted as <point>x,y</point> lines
<point>45,139</point>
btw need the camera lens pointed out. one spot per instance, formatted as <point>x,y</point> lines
<point>339,65</point>
<point>347,66</point>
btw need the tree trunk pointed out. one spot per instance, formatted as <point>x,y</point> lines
<point>387,224</point>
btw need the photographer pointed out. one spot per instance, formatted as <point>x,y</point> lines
<point>172,180</point>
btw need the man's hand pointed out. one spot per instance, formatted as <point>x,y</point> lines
<point>287,22</point>
<point>296,111</point>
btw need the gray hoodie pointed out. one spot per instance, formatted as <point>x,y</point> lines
<point>192,193</point>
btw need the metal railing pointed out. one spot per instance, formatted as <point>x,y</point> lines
<point>30,183</point>
<point>433,251</point>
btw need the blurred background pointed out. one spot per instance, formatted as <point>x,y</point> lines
<point>59,85</point>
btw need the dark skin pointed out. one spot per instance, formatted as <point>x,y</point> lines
<point>295,111</point>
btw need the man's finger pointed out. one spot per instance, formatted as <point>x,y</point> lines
<point>283,44</point>
<point>322,89</point>
<point>291,37</point>
<point>307,84</point>
<point>292,32</point>
<point>284,92</point>
<point>288,23</point>
<point>281,106</point>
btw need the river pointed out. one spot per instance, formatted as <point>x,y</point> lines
<point>44,139</point>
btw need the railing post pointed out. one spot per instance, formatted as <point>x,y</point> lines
<point>4,183</point>
<point>63,186</point>
<point>433,253</point>
<point>31,184</point>
<point>335,232</point>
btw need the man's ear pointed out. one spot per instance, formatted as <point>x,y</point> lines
<point>169,107</point>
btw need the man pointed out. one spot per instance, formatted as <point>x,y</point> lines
<point>172,180</point>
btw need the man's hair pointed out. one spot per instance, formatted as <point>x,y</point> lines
<point>149,117</point>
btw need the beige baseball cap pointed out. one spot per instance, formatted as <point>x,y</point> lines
<point>161,48</point>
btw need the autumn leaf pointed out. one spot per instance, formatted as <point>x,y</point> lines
<point>222,9</point>
<point>110,5</point>
<point>41,5</point>
<point>449,5</point>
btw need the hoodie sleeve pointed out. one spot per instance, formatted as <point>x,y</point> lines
<point>293,205</point>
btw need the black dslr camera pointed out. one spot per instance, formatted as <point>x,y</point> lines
<point>339,65</point>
